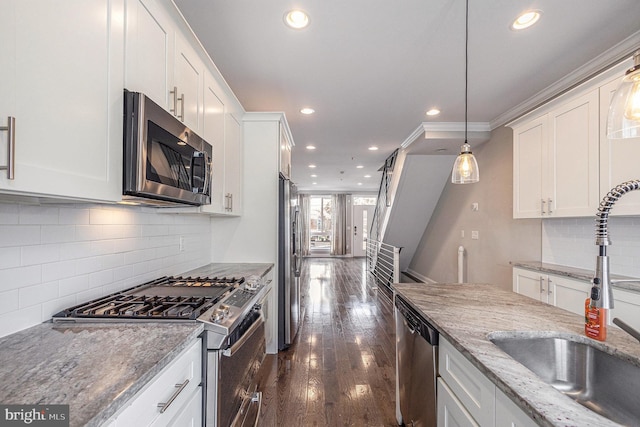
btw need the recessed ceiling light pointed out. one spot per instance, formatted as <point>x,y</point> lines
<point>307,110</point>
<point>314,176</point>
<point>373,148</point>
<point>296,19</point>
<point>314,183</point>
<point>312,166</point>
<point>367,176</point>
<point>359,166</point>
<point>526,19</point>
<point>433,112</point>
<point>359,183</point>
<point>311,147</point>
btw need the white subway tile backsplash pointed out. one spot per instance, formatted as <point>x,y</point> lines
<point>38,294</point>
<point>15,278</point>
<point>9,257</point>
<point>73,285</point>
<point>39,254</point>
<point>18,235</point>
<point>53,257</point>
<point>9,301</point>
<point>40,215</point>
<point>9,213</point>
<point>571,242</point>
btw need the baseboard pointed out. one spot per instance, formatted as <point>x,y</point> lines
<point>417,277</point>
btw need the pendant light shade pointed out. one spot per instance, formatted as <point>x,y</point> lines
<point>624,111</point>
<point>465,168</point>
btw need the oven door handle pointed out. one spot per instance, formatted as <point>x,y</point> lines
<point>236,346</point>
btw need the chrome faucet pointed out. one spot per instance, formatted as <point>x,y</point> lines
<point>601,291</point>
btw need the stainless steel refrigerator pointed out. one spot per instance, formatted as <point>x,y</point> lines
<point>289,264</point>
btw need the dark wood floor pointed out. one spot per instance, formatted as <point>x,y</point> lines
<point>341,369</point>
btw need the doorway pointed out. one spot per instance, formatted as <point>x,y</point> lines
<point>363,209</point>
<point>320,223</point>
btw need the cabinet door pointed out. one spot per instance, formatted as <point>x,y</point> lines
<point>451,413</point>
<point>190,415</point>
<point>285,154</point>
<point>529,149</point>
<point>568,294</point>
<point>65,92</point>
<point>530,284</point>
<point>233,163</point>
<point>189,81</point>
<point>627,307</point>
<point>616,165</point>
<point>214,134</point>
<point>510,415</point>
<point>149,51</point>
<point>572,165</point>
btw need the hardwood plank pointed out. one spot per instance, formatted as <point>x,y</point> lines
<point>340,371</point>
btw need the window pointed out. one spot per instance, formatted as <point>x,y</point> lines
<point>320,222</point>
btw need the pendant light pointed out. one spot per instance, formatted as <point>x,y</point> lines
<point>465,168</point>
<point>624,111</point>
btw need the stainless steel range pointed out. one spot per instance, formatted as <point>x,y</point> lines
<point>234,337</point>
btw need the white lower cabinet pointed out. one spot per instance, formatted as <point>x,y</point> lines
<point>508,414</point>
<point>451,412</point>
<point>172,398</point>
<point>560,291</point>
<point>467,398</point>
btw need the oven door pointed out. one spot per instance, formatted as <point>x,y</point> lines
<point>232,396</point>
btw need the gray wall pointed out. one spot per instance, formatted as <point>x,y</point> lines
<point>501,238</point>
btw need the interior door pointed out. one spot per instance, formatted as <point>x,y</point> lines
<point>362,216</point>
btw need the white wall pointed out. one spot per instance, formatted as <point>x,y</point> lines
<point>571,242</point>
<point>52,257</point>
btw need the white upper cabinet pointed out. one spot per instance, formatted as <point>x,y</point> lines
<point>62,81</point>
<point>529,156</point>
<point>573,157</point>
<point>224,133</point>
<point>149,50</point>
<point>162,63</point>
<point>285,153</point>
<point>188,84</point>
<point>555,160</point>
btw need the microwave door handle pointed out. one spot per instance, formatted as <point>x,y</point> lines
<point>207,173</point>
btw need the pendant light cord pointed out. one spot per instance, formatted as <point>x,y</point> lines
<point>466,71</point>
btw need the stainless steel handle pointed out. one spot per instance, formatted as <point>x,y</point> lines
<point>542,289</point>
<point>174,93</point>
<point>355,230</point>
<point>549,204</point>
<point>542,202</point>
<point>234,348</point>
<point>549,291</point>
<point>11,147</point>
<point>231,200</point>
<point>164,406</point>
<point>257,397</point>
<point>181,99</point>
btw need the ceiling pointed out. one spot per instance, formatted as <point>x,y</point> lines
<point>372,68</point>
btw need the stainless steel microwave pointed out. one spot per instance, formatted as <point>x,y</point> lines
<point>165,162</point>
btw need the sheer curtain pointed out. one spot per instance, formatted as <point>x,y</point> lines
<point>339,224</point>
<point>304,223</point>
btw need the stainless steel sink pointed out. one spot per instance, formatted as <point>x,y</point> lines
<point>597,380</point>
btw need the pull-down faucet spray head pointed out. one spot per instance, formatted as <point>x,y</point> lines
<point>601,292</point>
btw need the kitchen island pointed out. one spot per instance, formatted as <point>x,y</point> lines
<point>465,314</point>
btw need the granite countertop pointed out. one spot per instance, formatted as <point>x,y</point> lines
<point>226,269</point>
<point>631,283</point>
<point>96,368</point>
<point>93,367</point>
<point>466,313</point>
